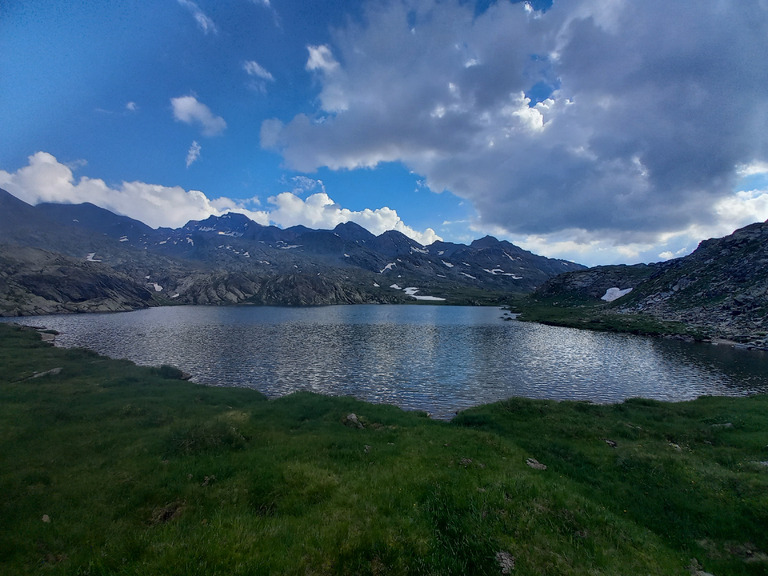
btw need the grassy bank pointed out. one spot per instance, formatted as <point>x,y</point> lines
<point>586,314</point>
<point>109,468</point>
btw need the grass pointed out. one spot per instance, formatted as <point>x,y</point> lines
<point>587,314</point>
<point>110,468</point>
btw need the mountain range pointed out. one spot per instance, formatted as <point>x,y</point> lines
<point>77,258</point>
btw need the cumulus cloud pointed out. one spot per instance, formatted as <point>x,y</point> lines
<point>628,122</point>
<point>131,106</point>
<point>320,211</point>
<point>189,110</point>
<point>193,153</point>
<point>203,22</point>
<point>45,179</point>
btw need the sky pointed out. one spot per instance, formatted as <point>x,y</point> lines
<point>600,131</point>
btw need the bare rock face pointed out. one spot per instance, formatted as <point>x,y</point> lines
<point>721,288</point>
<point>38,282</point>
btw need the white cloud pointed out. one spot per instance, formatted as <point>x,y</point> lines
<point>321,58</point>
<point>189,110</point>
<point>633,143</point>
<point>45,179</point>
<point>253,68</point>
<point>320,211</point>
<point>204,22</point>
<point>131,106</point>
<point>193,154</point>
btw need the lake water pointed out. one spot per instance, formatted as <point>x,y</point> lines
<point>435,358</point>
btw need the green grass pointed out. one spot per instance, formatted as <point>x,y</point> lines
<point>587,314</point>
<point>140,473</point>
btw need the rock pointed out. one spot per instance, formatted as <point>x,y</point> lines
<point>353,421</point>
<point>611,443</point>
<point>51,372</point>
<point>46,519</point>
<point>505,561</point>
<point>535,464</point>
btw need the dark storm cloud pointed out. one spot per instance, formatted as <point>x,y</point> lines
<point>656,105</point>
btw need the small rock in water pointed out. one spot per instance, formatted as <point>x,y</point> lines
<point>535,464</point>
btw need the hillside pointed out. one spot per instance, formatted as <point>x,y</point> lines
<point>720,290</point>
<point>231,259</point>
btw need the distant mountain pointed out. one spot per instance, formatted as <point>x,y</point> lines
<point>232,259</point>
<point>721,288</point>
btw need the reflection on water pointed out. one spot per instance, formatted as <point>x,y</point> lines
<point>434,358</point>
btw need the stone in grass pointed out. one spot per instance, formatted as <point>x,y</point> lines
<point>535,464</point>
<point>46,519</point>
<point>506,561</point>
<point>353,421</point>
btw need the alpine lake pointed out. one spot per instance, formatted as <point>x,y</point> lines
<point>438,359</point>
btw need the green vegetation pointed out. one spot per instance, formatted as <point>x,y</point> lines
<point>110,468</point>
<point>591,315</point>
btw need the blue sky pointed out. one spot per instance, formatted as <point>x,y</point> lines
<point>602,131</point>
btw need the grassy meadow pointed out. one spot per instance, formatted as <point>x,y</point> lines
<point>110,468</point>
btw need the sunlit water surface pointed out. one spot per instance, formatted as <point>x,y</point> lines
<point>435,358</point>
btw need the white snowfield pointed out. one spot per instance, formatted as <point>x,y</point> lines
<point>614,294</point>
<point>387,267</point>
<point>411,291</point>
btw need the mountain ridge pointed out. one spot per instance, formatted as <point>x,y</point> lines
<point>231,259</point>
<point>720,289</point>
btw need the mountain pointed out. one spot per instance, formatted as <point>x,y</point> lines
<point>721,288</point>
<point>232,259</point>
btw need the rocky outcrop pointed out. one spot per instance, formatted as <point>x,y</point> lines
<point>721,289</point>
<point>34,281</point>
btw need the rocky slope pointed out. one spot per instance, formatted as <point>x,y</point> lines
<point>231,259</point>
<point>720,289</point>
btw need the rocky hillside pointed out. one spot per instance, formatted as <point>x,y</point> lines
<point>721,288</point>
<point>231,259</point>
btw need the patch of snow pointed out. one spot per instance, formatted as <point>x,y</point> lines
<point>157,286</point>
<point>495,271</point>
<point>90,257</point>
<point>175,296</point>
<point>387,267</point>
<point>468,275</point>
<point>514,276</point>
<point>465,264</point>
<point>246,254</point>
<point>419,250</point>
<point>411,291</point>
<point>614,294</point>
<point>396,287</point>
<point>146,277</point>
<point>124,239</point>
<point>162,241</point>
<point>290,246</point>
<point>376,285</point>
<point>448,264</point>
<point>233,234</point>
<point>206,229</point>
<point>75,220</point>
<point>346,255</point>
<point>190,241</point>
<point>441,252</point>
